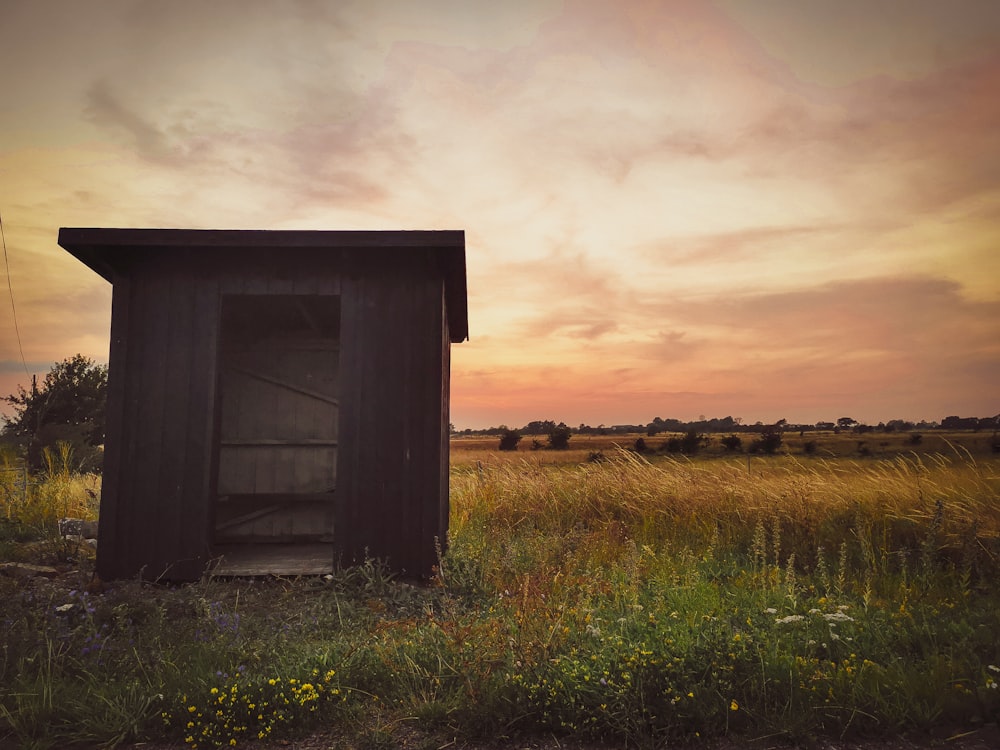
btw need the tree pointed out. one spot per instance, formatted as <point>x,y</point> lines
<point>539,427</point>
<point>732,442</point>
<point>692,441</point>
<point>769,442</point>
<point>509,440</point>
<point>68,407</point>
<point>559,437</point>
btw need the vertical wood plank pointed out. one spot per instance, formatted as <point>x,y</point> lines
<point>116,433</point>
<point>167,537</point>
<point>144,544</point>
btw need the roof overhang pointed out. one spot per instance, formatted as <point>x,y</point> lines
<point>111,252</point>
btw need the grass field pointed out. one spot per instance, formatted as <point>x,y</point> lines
<point>636,600</point>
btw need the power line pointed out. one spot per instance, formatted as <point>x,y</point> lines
<point>10,288</point>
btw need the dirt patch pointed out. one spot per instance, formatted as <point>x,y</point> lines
<point>411,738</point>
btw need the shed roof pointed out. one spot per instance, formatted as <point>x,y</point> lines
<point>110,251</point>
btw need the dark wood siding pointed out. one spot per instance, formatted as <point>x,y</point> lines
<point>444,505</point>
<point>161,405</point>
<point>390,479</point>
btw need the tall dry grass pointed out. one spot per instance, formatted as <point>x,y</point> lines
<point>943,506</point>
<point>35,502</point>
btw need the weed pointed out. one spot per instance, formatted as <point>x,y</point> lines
<point>635,600</point>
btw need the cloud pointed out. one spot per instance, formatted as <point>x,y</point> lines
<point>877,347</point>
<point>105,109</point>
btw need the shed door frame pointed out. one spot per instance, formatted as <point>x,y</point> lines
<point>277,419</point>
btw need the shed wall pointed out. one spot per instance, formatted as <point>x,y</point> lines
<point>162,457</point>
<point>392,481</point>
<point>160,425</point>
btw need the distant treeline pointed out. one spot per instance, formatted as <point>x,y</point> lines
<point>736,425</point>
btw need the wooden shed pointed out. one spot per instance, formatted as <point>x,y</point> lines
<point>278,400</point>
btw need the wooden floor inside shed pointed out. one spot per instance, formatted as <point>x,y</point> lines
<point>237,560</point>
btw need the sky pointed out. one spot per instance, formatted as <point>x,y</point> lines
<point>767,209</point>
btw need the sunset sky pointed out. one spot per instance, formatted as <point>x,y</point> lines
<point>759,208</point>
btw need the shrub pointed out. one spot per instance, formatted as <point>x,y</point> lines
<point>689,444</point>
<point>769,442</point>
<point>692,441</point>
<point>732,442</point>
<point>509,440</point>
<point>559,438</point>
<point>671,445</point>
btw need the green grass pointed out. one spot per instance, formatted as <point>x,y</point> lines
<point>632,601</point>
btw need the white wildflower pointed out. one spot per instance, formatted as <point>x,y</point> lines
<point>770,611</point>
<point>838,617</point>
<point>789,619</point>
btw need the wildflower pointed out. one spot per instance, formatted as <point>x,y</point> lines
<point>789,619</point>
<point>734,706</point>
<point>770,611</point>
<point>838,616</point>
<point>993,668</point>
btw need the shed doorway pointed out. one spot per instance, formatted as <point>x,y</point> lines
<point>277,434</point>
